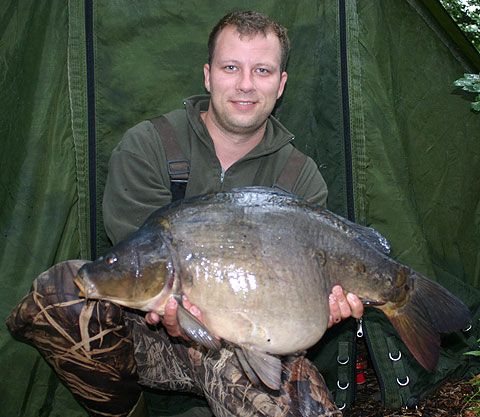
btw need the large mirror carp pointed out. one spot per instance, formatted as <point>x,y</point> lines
<point>260,265</point>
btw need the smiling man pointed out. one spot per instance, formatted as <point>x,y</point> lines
<point>245,79</point>
<point>105,355</point>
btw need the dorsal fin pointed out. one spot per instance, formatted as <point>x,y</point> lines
<point>371,236</point>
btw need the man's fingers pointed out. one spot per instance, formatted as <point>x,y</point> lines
<point>335,315</point>
<point>356,305</point>
<point>187,304</point>
<point>153,318</point>
<point>170,319</point>
<point>191,308</point>
<point>170,315</point>
<point>342,306</point>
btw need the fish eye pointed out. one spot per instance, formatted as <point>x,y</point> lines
<point>111,259</point>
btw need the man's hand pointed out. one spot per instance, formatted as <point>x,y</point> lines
<point>342,307</point>
<point>169,319</point>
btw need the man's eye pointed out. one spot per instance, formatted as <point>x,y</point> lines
<point>262,70</point>
<point>230,67</point>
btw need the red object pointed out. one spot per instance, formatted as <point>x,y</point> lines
<point>360,374</point>
<point>361,366</point>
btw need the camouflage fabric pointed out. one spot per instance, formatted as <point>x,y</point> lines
<point>104,354</point>
<point>86,343</point>
<point>169,364</point>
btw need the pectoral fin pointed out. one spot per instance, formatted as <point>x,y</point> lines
<point>195,329</point>
<point>267,367</point>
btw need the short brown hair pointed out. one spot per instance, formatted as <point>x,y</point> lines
<point>251,23</point>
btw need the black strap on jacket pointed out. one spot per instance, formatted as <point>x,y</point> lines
<point>179,166</point>
<point>291,171</point>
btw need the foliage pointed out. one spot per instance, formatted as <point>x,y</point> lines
<point>474,400</point>
<point>466,13</point>
<point>471,83</point>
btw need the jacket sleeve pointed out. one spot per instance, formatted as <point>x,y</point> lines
<point>137,183</point>
<point>310,184</point>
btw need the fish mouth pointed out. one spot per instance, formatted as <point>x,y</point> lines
<point>81,287</point>
<point>372,303</point>
<point>86,288</point>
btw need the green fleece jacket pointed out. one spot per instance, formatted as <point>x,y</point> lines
<point>138,182</point>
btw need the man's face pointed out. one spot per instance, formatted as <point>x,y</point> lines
<point>244,80</point>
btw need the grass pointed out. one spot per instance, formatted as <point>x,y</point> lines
<point>473,401</point>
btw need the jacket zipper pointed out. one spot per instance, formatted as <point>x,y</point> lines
<point>222,176</point>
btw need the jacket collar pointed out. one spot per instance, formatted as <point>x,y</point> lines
<point>276,135</point>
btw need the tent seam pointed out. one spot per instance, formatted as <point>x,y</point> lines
<point>77,104</point>
<point>357,123</point>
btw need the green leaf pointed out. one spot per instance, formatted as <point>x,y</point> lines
<point>472,77</point>
<point>461,82</point>
<point>473,352</point>
<point>470,83</point>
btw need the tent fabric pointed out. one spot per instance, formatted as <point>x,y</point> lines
<point>369,97</point>
<point>38,213</point>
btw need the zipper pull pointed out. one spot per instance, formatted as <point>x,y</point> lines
<point>360,327</point>
<point>222,176</point>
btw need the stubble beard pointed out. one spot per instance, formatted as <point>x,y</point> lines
<point>230,124</point>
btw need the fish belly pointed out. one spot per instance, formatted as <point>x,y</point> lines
<point>276,307</point>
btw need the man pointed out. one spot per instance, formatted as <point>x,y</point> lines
<point>103,353</point>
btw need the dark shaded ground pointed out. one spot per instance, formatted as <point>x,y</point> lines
<point>448,400</point>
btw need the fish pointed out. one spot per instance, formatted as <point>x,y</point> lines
<point>260,265</point>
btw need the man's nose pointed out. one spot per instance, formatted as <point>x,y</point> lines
<point>245,82</point>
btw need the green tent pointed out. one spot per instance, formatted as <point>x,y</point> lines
<point>369,97</point>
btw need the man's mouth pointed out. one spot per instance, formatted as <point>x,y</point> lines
<point>243,103</point>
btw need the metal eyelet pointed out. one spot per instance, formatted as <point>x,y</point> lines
<point>403,384</point>
<point>343,388</point>
<point>342,407</point>
<point>343,362</point>
<point>397,358</point>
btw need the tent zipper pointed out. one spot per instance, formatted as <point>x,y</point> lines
<point>92,157</point>
<point>346,110</point>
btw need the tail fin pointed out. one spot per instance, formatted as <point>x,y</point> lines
<point>430,310</point>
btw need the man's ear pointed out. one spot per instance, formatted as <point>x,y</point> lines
<point>283,81</point>
<point>206,74</point>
